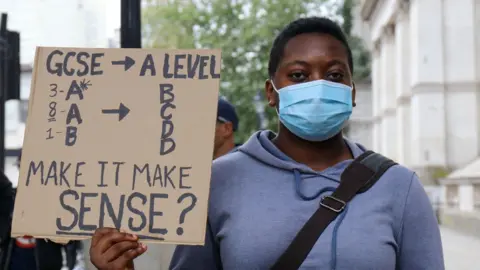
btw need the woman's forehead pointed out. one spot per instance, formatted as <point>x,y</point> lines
<point>314,47</point>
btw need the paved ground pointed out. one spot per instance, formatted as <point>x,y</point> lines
<point>461,253</point>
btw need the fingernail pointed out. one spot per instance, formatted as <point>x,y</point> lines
<point>142,247</point>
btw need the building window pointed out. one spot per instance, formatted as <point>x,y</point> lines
<point>476,197</point>
<point>452,196</point>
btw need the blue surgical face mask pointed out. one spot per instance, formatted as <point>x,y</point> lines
<point>315,111</point>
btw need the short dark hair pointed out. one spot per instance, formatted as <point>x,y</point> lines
<point>303,26</point>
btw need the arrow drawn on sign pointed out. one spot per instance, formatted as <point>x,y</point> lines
<point>122,111</point>
<point>128,62</point>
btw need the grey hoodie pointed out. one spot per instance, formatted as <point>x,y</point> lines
<point>260,199</point>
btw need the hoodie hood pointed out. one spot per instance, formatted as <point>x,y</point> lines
<point>261,148</point>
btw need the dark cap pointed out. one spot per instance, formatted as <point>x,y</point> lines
<point>226,113</point>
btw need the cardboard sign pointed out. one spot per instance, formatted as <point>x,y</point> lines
<point>119,138</point>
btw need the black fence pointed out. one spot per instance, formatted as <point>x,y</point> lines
<point>9,76</point>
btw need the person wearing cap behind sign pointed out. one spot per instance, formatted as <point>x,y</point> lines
<point>227,124</point>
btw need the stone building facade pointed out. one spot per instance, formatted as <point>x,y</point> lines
<point>425,82</point>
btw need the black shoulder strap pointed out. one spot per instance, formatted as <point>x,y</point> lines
<point>358,177</point>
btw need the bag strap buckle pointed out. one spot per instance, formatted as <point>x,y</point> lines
<point>339,209</point>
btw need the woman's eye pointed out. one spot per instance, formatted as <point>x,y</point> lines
<point>297,76</point>
<point>335,76</point>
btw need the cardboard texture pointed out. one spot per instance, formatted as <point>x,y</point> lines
<point>118,138</point>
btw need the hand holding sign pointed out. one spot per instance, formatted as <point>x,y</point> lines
<point>129,142</point>
<point>111,249</point>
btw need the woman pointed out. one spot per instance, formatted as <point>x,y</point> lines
<point>263,194</point>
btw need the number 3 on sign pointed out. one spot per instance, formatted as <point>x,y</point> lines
<point>53,90</point>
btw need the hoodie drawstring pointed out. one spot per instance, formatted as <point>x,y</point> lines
<point>298,182</point>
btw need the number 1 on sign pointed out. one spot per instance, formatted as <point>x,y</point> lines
<point>49,132</point>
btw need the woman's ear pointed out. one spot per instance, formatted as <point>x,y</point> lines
<point>270,93</point>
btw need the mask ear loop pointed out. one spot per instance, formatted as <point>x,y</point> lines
<point>275,88</point>
<point>352,86</point>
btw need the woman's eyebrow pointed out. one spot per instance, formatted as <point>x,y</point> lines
<point>295,62</point>
<point>336,62</point>
<point>305,63</point>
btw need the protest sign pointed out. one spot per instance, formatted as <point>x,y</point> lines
<point>118,138</point>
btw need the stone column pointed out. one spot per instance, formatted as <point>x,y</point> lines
<point>383,74</point>
<point>388,90</point>
<point>376,98</point>
<point>390,112</point>
<point>383,95</point>
<point>460,82</point>
<point>465,196</point>
<point>402,86</point>
<point>428,146</point>
<point>477,53</point>
<point>391,68</point>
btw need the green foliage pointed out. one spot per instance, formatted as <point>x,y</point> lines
<point>439,172</point>
<point>244,30</point>
<point>361,59</point>
<point>360,55</point>
<point>346,13</point>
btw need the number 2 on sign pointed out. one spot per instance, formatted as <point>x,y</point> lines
<point>49,132</point>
